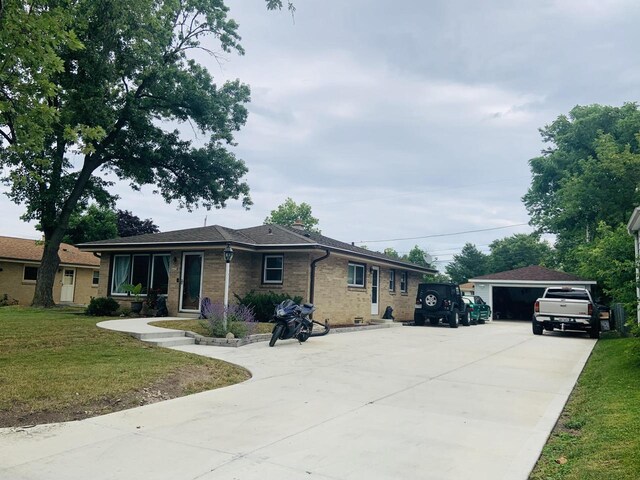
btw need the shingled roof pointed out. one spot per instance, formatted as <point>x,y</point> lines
<point>534,273</point>
<point>256,238</point>
<point>23,249</point>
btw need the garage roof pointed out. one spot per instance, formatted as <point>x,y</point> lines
<point>533,273</point>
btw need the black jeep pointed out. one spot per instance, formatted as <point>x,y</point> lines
<point>440,301</point>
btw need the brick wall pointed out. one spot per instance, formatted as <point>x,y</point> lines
<point>12,283</point>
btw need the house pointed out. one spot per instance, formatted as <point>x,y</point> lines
<point>76,280</point>
<point>345,282</point>
<point>511,294</point>
<point>633,227</point>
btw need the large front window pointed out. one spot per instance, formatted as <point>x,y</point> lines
<point>151,271</point>
<point>355,275</point>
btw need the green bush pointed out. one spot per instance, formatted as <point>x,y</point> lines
<point>6,300</point>
<point>102,307</point>
<point>263,304</point>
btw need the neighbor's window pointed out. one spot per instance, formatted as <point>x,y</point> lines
<point>30,273</point>
<point>273,269</point>
<point>392,280</point>
<point>403,282</point>
<point>355,275</point>
<point>96,278</point>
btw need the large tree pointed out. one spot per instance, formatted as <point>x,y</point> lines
<point>517,251</point>
<point>469,263</point>
<point>86,90</point>
<point>96,223</point>
<point>290,212</point>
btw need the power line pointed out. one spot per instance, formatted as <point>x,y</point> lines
<point>443,234</point>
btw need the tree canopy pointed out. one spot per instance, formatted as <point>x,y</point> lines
<point>517,251</point>
<point>87,91</point>
<point>469,263</point>
<point>130,224</point>
<point>97,223</point>
<point>290,212</point>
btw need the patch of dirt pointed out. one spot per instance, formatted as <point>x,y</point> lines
<point>185,381</point>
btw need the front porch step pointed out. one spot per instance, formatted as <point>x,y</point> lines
<point>173,341</point>
<point>152,335</point>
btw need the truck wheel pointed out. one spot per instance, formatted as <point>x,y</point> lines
<point>594,332</point>
<point>434,321</point>
<point>537,328</point>
<point>454,319</point>
<point>418,319</point>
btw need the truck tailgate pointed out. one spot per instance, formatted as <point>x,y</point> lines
<point>563,307</point>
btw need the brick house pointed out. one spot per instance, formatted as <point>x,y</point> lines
<point>345,282</point>
<point>76,280</point>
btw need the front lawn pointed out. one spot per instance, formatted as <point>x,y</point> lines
<point>598,434</point>
<point>56,365</point>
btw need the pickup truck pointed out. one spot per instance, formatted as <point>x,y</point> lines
<point>569,308</point>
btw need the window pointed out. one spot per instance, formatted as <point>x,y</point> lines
<point>392,280</point>
<point>355,275</point>
<point>30,273</point>
<point>96,278</point>
<point>273,269</point>
<point>403,282</point>
<point>151,271</point>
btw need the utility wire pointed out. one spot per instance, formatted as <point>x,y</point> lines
<point>443,234</point>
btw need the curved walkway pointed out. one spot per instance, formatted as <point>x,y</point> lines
<point>396,403</point>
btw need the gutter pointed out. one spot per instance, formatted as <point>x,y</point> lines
<point>312,282</point>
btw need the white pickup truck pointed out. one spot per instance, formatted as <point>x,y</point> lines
<point>569,308</point>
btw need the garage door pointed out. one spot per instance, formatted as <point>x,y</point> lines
<point>514,303</point>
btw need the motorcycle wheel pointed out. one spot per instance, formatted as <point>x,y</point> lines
<point>277,331</point>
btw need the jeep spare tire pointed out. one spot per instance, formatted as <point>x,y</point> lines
<point>431,300</point>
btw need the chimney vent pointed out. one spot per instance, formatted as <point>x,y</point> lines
<point>297,225</point>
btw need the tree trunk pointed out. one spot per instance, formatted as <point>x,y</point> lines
<point>43,296</point>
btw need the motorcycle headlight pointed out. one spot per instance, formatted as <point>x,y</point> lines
<point>280,312</point>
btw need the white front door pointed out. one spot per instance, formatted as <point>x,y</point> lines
<point>375,294</point>
<point>68,284</point>
<point>191,282</point>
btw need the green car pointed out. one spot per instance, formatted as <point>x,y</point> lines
<point>478,310</point>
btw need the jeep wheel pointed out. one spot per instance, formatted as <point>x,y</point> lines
<point>418,319</point>
<point>454,319</point>
<point>434,321</point>
<point>431,300</point>
<point>537,328</point>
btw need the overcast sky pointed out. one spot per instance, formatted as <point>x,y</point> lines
<point>407,119</point>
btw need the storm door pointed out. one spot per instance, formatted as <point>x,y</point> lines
<point>191,282</point>
<point>375,296</point>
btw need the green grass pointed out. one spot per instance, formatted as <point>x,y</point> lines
<point>56,364</point>
<point>196,327</point>
<point>599,431</point>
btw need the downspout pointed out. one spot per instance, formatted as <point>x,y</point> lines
<point>312,282</point>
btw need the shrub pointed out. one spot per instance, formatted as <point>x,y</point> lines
<point>263,304</point>
<point>240,320</point>
<point>6,300</point>
<point>102,307</point>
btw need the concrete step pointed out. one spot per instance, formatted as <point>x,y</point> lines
<point>167,334</point>
<point>170,341</point>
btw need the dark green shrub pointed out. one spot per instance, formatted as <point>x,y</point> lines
<point>102,307</point>
<point>6,300</point>
<point>263,304</point>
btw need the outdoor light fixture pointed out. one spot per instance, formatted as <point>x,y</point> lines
<point>228,253</point>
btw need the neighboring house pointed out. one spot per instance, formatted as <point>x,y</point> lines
<point>633,227</point>
<point>76,280</point>
<point>511,294</point>
<point>467,288</point>
<point>345,282</point>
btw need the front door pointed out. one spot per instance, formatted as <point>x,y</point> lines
<point>68,284</point>
<point>191,284</point>
<point>375,280</point>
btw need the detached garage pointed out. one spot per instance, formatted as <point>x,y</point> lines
<point>512,294</point>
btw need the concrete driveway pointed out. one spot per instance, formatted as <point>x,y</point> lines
<point>397,403</point>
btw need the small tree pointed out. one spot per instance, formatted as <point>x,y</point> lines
<point>130,225</point>
<point>290,212</point>
<point>470,263</point>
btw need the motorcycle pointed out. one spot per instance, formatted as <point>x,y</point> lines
<point>292,321</point>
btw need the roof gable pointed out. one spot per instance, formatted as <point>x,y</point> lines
<point>12,248</point>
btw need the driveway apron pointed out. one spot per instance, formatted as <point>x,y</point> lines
<point>398,403</point>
